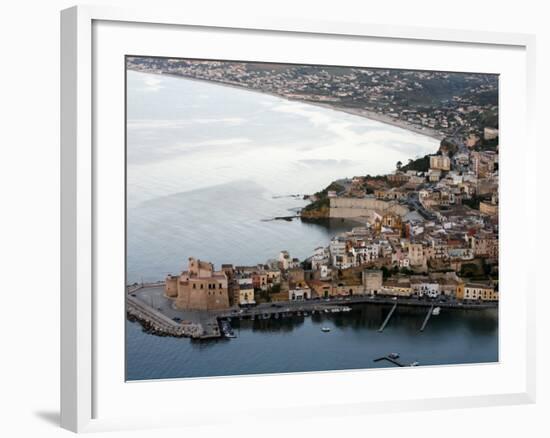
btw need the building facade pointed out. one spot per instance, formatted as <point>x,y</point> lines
<point>199,288</point>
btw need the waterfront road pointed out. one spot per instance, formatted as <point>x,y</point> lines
<point>153,296</point>
<point>321,304</point>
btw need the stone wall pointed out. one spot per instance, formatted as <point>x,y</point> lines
<point>171,286</point>
<point>360,207</point>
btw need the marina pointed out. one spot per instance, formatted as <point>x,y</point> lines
<point>292,343</point>
<point>149,304</point>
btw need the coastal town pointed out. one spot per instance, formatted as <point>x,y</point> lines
<point>438,104</point>
<point>424,234</point>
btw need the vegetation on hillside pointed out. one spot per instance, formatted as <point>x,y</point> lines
<point>418,165</point>
<point>320,207</point>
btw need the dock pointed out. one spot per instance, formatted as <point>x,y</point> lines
<point>303,308</point>
<point>385,323</point>
<point>427,318</point>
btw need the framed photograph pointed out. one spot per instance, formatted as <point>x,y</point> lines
<point>327,210</point>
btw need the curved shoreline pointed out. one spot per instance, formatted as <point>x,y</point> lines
<point>366,114</point>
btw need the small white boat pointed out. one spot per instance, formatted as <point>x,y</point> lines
<point>346,309</point>
<point>325,329</point>
<point>436,311</point>
<point>414,364</point>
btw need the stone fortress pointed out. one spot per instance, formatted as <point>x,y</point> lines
<point>199,288</point>
<point>344,207</point>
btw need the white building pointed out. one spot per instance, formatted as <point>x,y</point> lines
<point>337,250</point>
<point>365,253</point>
<point>320,257</point>
<point>299,294</point>
<point>246,291</point>
<point>426,288</point>
<point>461,253</point>
<point>284,260</point>
<point>325,272</point>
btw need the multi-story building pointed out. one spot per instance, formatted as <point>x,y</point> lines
<point>478,291</point>
<point>259,280</point>
<point>321,256</point>
<point>284,260</point>
<point>246,291</point>
<point>440,162</point>
<point>273,276</point>
<point>338,250</point>
<point>396,288</point>
<point>416,254</point>
<point>485,245</point>
<point>488,208</point>
<point>365,253</point>
<point>434,175</point>
<point>296,276</point>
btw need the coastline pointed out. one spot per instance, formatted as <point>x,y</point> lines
<point>355,112</point>
<point>382,118</point>
<point>366,114</point>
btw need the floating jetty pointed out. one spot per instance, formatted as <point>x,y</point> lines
<point>427,318</point>
<point>385,323</point>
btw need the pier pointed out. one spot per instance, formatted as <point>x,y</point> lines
<point>157,322</point>
<point>383,326</point>
<point>426,319</point>
<point>151,319</point>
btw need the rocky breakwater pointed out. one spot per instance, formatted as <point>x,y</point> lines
<point>158,324</point>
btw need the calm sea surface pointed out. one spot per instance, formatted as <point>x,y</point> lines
<point>206,166</point>
<point>298,344</point>
<point>207,163</point>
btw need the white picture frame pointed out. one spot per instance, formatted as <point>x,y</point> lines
<point>81,335</point>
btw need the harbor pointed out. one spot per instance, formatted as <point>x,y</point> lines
<point>148,305</point>
<point>317,341</point>
<point>258,281</point>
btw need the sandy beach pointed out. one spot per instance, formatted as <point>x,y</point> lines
<point>382,118</point>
